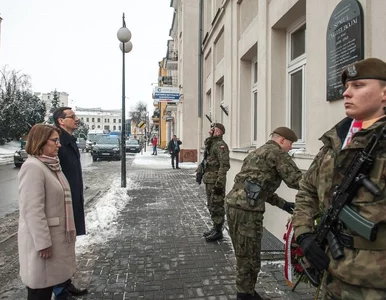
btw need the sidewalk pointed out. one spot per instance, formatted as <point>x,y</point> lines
<point>159,252</point>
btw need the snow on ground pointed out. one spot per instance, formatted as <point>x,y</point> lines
<point>160,161</point>
<point>101,220</point>
<point>7,151</point>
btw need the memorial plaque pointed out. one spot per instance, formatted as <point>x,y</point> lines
<point>344,42</point>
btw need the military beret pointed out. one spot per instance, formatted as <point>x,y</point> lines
<point>220,126</point>
<point>369,68</point>
<point>286,133</point>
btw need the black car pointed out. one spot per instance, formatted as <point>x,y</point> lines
<point>19,157</point>
<point>107,148</point>
<point>133,146</point>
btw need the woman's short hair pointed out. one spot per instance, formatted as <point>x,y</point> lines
<point>38,137</point>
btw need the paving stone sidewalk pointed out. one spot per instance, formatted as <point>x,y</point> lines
<point>159,252</point>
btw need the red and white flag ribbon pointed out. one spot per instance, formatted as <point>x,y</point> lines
<point>288,268</point>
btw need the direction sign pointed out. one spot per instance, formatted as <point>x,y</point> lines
<point>167,93</point>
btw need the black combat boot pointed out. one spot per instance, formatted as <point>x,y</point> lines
<point>215,235</point>
<point>255,296</point>
<point>208,232</point>
<point>243,296</point>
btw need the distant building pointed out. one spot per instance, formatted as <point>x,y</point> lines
<point>47,98</point>
<point>98,118</point>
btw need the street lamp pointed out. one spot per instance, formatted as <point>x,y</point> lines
<point>124,36</point>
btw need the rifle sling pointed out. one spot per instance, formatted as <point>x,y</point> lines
<point>358,242</point>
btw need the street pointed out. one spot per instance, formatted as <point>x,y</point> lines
<point>8,184</point>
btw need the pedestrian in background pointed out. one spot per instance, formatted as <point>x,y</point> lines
<point>174,150</point>
<point>69,156</point>
<point>361,273</point>
<point>46,235</point>
<point>216,166</point>
<point>155,143</point>
<point>261,174</point>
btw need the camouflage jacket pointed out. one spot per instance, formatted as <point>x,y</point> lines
<point>358,267</point>
<point>268,165</point>
<point>216,161</point>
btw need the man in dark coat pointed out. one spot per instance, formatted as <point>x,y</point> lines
<point>174,149</point>
<point>69,157</point>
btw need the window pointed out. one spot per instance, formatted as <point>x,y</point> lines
<point>92,119</point>
<point>296,63</point>
<point>254,76</point>
<point>119,127</point>
<point>99,126</point>
<point>114,120</point>
<point>222,117</point>
<point>87,119</point>
<point>81,118</point>
<point>209,104</point>
<point>114,127</point>
<point>99,120</point>
<point>119,120</point>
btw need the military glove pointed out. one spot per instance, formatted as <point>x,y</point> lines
<point>289,207</point>
<point>199,177</point>
<point>218,190</point>
<point>312,251</point>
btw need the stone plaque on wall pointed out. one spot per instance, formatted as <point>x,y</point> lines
<point>344,42</point>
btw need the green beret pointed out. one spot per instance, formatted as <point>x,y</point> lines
<point>369,68</point>
<point>287,133</point>
<point>220,126</point>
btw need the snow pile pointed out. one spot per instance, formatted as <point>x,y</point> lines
<point>7,151</point>
<point>160,161</point>
<point>101,219</point>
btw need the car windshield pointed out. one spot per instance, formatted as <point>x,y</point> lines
<point>132,142</point>
<point>108,141</point>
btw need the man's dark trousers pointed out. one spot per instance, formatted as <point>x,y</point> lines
<point>174,155</point>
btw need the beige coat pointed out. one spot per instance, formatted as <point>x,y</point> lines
<point>41,225</point>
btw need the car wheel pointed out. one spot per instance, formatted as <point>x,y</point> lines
<point>18,165</point>
<point>94,158</point>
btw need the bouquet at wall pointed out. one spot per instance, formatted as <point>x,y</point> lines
<point>292,255</point>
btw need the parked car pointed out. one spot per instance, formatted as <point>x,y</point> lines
<point>81,142</point>
<point>92,138</point>
<point>106,148</point>
<point>133,146</point>
<point>19,157</point>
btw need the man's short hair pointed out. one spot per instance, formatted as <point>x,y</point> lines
<point>59,113</point>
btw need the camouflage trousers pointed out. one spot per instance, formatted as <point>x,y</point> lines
<point>215,204</point>
<point>245,230</point>
<point>334,289</point>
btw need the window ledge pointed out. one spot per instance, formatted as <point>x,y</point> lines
<point>243,150</point>
<point>301,153</point>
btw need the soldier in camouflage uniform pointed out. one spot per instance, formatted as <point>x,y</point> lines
<point>215,169</point>
<point>361,273</point>
<point>261,174</point>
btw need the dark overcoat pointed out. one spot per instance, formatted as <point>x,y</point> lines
<point>69,157</point>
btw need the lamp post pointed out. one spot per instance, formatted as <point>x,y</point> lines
<point>124,36</point>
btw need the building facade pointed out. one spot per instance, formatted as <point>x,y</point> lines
<point>98,118</point>
<point>263,66</point>
<point>47,98</point>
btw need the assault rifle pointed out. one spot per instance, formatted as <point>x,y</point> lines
<point>356,176</point>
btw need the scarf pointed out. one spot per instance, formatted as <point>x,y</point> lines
<point>53,164</point>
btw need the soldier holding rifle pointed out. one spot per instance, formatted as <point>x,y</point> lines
<point>347,181</point>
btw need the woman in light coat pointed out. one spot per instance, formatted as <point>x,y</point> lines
<point>46,237</point>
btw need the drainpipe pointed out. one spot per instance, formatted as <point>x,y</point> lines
<point>199,59</point>
<point>199,79</point>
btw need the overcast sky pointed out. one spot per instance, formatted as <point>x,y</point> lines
<point>72,46</point>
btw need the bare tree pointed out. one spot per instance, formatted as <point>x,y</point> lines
<point>137,114</point>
